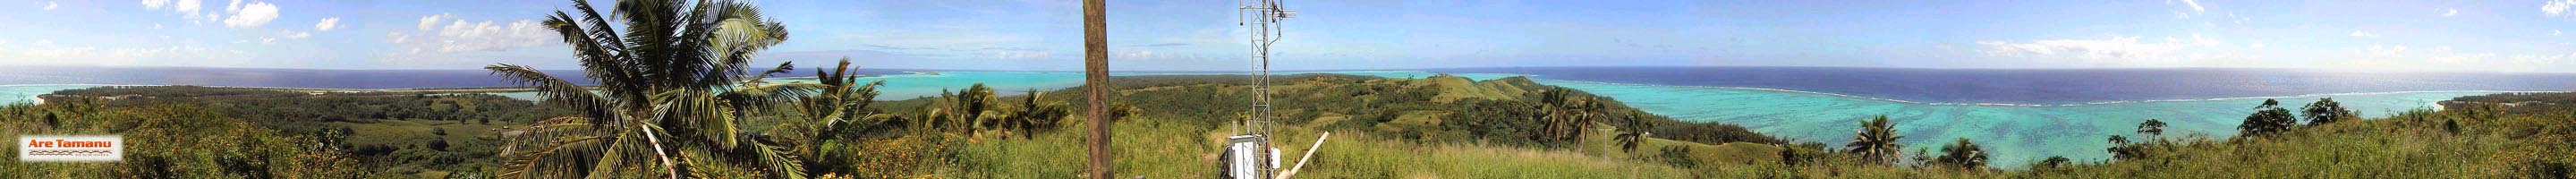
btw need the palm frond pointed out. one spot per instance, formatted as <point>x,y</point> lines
<point>558,91</point>
<point>561,147</point>
<point>703,116</point>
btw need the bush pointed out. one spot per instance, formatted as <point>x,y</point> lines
<point>437,144</point>
<point>1679,156</point>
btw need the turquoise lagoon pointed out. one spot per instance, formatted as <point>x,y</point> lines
<point>27,93</point>
<point>2016,134</point>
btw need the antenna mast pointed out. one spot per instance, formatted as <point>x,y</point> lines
<point>1250,154</point>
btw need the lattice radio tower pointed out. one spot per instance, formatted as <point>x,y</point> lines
<point>1253,156</point>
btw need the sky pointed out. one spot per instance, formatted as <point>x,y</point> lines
<point>2505,36</point>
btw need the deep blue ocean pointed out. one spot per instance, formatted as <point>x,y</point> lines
<point>2020,115</point>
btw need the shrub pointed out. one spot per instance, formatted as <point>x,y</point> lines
<point>1679,156</point>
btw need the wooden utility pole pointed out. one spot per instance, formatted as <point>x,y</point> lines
<point>1095,80</point>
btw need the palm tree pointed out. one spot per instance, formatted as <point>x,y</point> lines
<point>833,118</point>
<point>1568,116</point>
<point>1876,141</point>
<point>1633,134</point>
<point>672,87</point>
<point>970,111</point>
<point>1962,154</point>
<point>1554,111</point>
<point>1034,115</point>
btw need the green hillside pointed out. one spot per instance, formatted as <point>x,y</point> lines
<point>1437,127</point>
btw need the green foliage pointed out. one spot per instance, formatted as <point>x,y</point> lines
<point>1876,142</point>
<point>1567,117</point>
<point>440,145</point>
<point>2152,127</point>
<point>1679,156</point>
<point>2325,111</point>
<point>2267,119</point>
<point>1962,154</point>
<point>175,141</point>
<point>2514,102</point>
<point>1632,134</point>
<point>2051,163</point>
<point>1467,138</point>
<point>292,111</point>
<point>673,87</point>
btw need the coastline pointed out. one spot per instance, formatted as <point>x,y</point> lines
<point>1379,73</point>
<point>2053,105</point>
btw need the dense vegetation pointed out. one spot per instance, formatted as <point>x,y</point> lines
<point>677,99</point>
<point>1383,128</point>
<point>173,141</point>
<point>295,110</point>
<point>2515,102</point>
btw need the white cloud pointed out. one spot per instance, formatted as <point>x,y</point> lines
<point>431,21</point>
<point>50,5</point>
<point>396,37</point>
<point>187,7</point>
<point>2454,12</point>
<point>2558,8</point>
<point>1028,55</point>
<point>2386,51</point>
<point>2116,47</point>
<point>2444,55</point>
<point>267,40</point>
<point>462,36</point>
<point>2255,45</point>
<point>457,41</point>
<point>292,34</point>
<point>2543,59</point>
<point>252,15</point>
<point>327,24</point>
<point>2358,33</point>
<point>2555,32</point>
<point>156,26</point>
<point>2195,5</point>
<point>45,52</point>
<point>155,4</point>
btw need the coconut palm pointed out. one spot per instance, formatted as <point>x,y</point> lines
<point>1962,154</point>
<point>1033,115</point>
<point>672,87</point>
<point>833,119</point>
<point>1554,111</point>
<point>1633,134</point>
<point>1876,141</point>
<point>1568,116</point>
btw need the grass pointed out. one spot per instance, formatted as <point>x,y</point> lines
<point>1146,147</point>
<point>415,131</point>
<point>2410,145</point>
<point>1165,149</point>
<point>470,144</point>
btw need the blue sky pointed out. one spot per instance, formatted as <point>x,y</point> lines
<point>2521,35</point>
